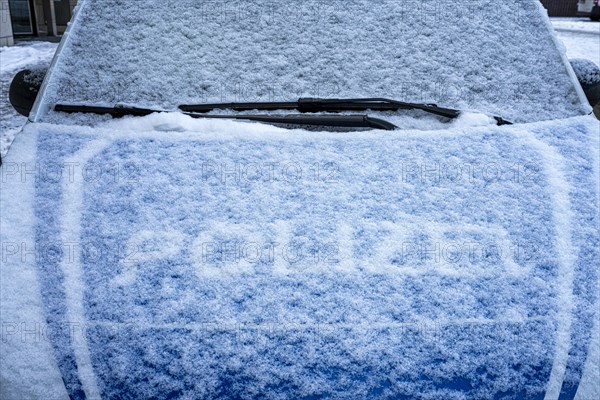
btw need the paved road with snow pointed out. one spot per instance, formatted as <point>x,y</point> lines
<point>580,36</point>
<point>12,60</point>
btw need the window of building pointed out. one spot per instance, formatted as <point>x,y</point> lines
<point>21,17</point>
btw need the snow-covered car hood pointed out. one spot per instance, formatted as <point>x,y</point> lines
<point>201,259</point>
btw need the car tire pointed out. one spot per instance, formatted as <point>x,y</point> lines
<point>593,94</point>
<point>588,75</point>
<point>24,89</point>
<point>595,14</point>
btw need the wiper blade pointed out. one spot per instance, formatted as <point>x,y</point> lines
<point>313,105</point>
<point>115,112</point>
<point>348,121</point>
<point>375,104</point>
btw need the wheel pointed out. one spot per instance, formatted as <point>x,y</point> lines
<point>588,74</point>
<point>24,89</point>
<point>595,14</point>
<point>592,92</point>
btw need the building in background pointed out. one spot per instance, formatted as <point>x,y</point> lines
<point>561,8</point>
<point>38,17</point>
<point>6,34</point>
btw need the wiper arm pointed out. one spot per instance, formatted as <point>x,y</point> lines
<point>313,105</point>
<point>375,104</point>
<point>348,121</point>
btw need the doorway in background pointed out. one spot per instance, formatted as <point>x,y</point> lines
<point>22,17</point>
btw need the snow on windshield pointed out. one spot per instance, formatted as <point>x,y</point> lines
<point>501,60</point>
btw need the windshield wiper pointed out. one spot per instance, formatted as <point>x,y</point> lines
<point>313,105</point>
<point>115,112</point>
<point>347,121</point>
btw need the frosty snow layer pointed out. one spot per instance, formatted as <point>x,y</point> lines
<point>500,60</point>
<point>207,259</point>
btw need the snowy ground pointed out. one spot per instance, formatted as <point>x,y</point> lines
<point>580,36</point>
<point>12,60</point>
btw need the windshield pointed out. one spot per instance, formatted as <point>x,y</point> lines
<point>168,53</point>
